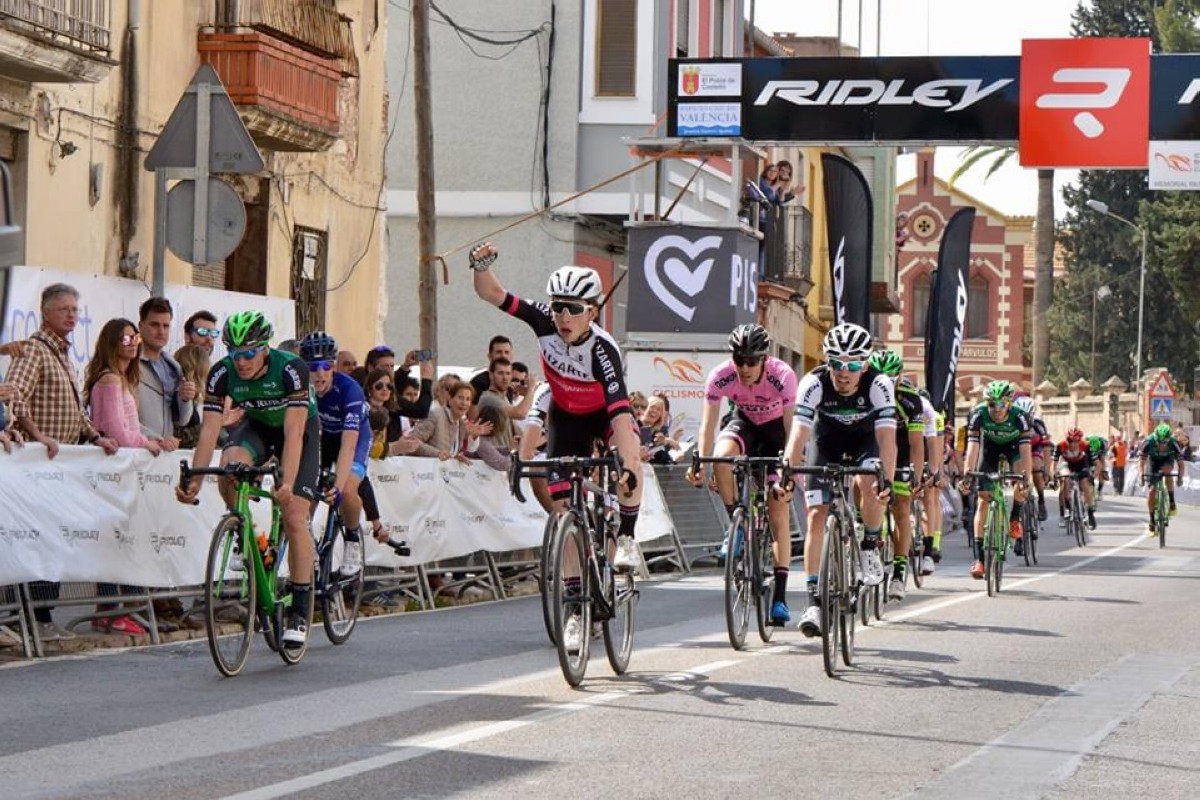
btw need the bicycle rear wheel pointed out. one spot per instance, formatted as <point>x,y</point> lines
<point>618,631</point>
<point>829,591</point>
<point>1034,533</point>
<point>230,598</point>
<point>568,548</point>
<point>739,580</point>
<point>547,579</point>
<point>763,581</point>
<point>341,595</point>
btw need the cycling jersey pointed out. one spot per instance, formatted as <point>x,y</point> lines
<point>935,423</point>
<point>1076,458</point>
<point>1161,453</point>
<point>584,378</point>
<point>266,398</point>
<point>540,408</point>
<point>1014,430</point>
<point>911,417</point>
<point>760,403</point>
<point>1039,438</point>
<point>872,406</point>
<point>341,409</point>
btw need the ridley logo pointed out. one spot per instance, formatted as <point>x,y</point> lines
<point>950,94</point>
<point>1114,80</point>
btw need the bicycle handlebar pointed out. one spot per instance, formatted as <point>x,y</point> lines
<point>1015,477</point>
<point>572,465</point>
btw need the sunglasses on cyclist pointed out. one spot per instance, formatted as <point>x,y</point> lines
<point>319,366</point>
<point>380,385</point>
<point>747,361</point>
<point>246,354</point>
<point>568,307</point>
<point>201,330</point>
<point>837,365</point>
<point>998,405</point>
<point>130,339</point>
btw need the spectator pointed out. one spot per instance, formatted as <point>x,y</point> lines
<point>1185,442</point>
<point>655,432</point>
<point>496,395</point>
<point>359,374</point>
<point>165,397</point>
<point>637,404</point>
<point>346,362</point>
<point>289,346</point>
<point>441,393</point>
<point>381,357</point>
<point>520,380</point>
<point>201,329</point>
<point>410,392</point>
<point>7,391</point>
<point>48,407</point>
<point>380,393</point>
<point>401,376</point>
<point>768,184</point>
<point>378,417</point>
<point>487,448</point>
<point>109,383</point>
<point>785,189</point>
<point>498,347</point>
<point>193,361</point>
<point>446,433</point>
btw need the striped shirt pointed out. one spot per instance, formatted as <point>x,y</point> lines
<point>48,390</point>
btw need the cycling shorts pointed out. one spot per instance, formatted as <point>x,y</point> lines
<point>757,441</point>
<point>331,445</point>
<point>264,443</point>
<point>573,435</point>
<point>860,450</point>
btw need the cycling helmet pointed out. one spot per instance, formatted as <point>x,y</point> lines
<point>1162,432</point>
<point>999,391</point>
<point>887,361</point>
<point>1025,404</point>
<point>847,341</point>
<point>245,329</point>
<point>577,283</point>
<point>749,340</point>
<point>1074,435</point>
<point>318,346</point>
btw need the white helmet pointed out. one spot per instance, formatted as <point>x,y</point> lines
<point>1024,404</point>
<point>578,283</point>
<point>847,341</point>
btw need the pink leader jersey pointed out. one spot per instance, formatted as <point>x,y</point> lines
<point>760,403</point>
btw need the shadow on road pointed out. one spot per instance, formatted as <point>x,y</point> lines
<point>943,626</point>
<point>1068,598</point>
<point>888,675</point>
<point>721,693</point>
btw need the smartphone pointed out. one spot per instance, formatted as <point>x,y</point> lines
<point>424,355</point>
<point>647,435</point>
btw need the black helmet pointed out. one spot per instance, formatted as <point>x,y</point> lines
<point>749,340</point>
<point>318,346</point>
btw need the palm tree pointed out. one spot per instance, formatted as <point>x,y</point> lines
<point>1043,244</point>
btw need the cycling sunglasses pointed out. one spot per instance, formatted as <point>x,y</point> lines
<point>568,307</point>
<point>747,361</point>
<point>246,354</point>
<point>201,330</point>
<point>319,366</point>
<point>838,365</point>
<point>999,405</point>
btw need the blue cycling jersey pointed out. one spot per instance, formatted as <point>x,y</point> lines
<point>343,408</point>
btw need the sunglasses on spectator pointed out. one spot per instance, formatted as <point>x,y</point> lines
<point>571,309</point>
<point>319,366</point>
<point>201,330</point>
<point>130,339</point>
<point>246,354</point>
<point>381,385</point>
<point>747,361</point>
<point>838,365</point>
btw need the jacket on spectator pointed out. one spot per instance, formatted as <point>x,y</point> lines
<point>115,414</point>
<point>486,450</point>
<point>160,411</point>
<point>48,390</point>
<point>440,433</point>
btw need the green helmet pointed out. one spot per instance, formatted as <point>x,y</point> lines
<point>887,361</point>
<point>999,391</point>
<point>1162,432</point>
<point>246,329</point>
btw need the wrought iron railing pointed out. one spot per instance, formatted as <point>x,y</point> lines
<point>84,24</point>
<point>787,243</point>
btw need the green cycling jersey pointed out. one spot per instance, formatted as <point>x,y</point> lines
<point>1013,430</point>
<point>267,397</point>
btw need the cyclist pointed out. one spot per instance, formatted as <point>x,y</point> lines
<point>1165,456</point>
<point>280,422</point>
<point>910,453</point>
<point>345,438</point>
<point>762,390</point>
<point>1002,432</point>
<point>1041,446</point>
<point>1099,447</point>
<point>850,410</point>
<point>1080,459</point>
<point>935,460</point>
<point>588,401</point>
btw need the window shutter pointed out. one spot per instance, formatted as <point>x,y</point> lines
<point>616,50</point>
<point>683,19</point>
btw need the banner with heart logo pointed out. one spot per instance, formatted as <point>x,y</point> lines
<point>690,280</point>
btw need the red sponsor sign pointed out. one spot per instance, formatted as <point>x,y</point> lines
<point>1085,102</point>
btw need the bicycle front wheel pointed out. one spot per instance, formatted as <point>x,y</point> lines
<point>739,579</point>
<point>341,595</point>
<point>547,578</point>
<point>1163,515</point>
<point>230,598</point>
<point>853,594</point>
<point>763,580</point>
<point>571,596</point>
<point>992,550</point>
<point>618,631</point>
<point>829,591</point>
<point>916,552</point>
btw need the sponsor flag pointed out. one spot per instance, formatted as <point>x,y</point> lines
<point>848,216</point>
<point>946,319</point>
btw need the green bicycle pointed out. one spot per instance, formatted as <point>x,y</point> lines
<point>1162,506</point>
<point>995,530</point>
<point>243,587</point>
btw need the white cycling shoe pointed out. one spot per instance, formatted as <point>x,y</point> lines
<point>626,558</point>
<point>872,568</point>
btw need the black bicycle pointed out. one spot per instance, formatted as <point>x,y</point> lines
<point>749,560</point>
<point>585,588</point>
<point>839,585</point>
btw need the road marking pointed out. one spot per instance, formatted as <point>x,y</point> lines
<point>409,749</point>
<point>1047,748</point>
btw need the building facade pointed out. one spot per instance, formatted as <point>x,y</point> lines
<point>86,86</point>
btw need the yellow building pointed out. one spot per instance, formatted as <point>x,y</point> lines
<point>87,85</point>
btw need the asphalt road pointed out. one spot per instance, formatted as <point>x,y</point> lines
<point>1081,680</point>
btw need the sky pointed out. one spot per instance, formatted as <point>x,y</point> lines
<point>939,27</point>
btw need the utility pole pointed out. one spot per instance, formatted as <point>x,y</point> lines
<point>426,213</point>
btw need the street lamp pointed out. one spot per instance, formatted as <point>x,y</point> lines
<point>1101,207</point>
<point>1101,293</point>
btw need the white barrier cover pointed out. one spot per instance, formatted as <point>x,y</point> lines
<point>88,517</point>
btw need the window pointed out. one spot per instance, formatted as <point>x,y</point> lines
<point>616,48</point>
<point>310,249</point>
<point>978,299</point>
<point>682,24</point>
<point>918,304</point>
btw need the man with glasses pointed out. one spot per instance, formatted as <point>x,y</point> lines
<point>762,390</point>
<point>1003,432</point>
<point>582,364</point>
<point>201,330</point>
<point>280,422</point>
<point>850,409</point>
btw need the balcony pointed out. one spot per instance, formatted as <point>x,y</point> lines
<point>56,41</point>
<point>787,247</point>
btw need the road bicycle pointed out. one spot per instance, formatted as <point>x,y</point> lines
<point>1077,524</point>
<point>583,583</point>
<point>749,562</point>
<point>1162,506</point>
<point>243,587</point>
<point>840,587</point>
<point>1031,527</point>
<point>996,535</point>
